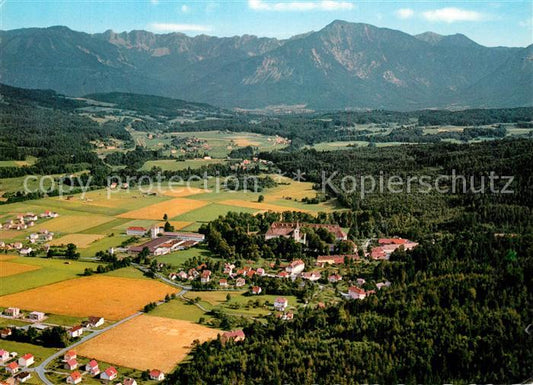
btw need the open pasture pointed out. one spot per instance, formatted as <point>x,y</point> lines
<point>81,240</point>
<point>110,297</point>
<point>174,165</point>
<point>72,223</point>
<point>147,342</point>
<point>172,208</point>
<point>46,272</point>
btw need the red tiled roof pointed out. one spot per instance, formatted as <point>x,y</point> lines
<point>388,241</point>
<point>93,364</point>
<point>13,365</point>
<point>155,373</point>
<point>356,289</point>
<point>75,375</point>
<point>27,356</point>
<point>135,228</point>
<point>111,371</point>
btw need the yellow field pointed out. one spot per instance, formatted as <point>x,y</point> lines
<point>73,223</point>
<point>10,268</point>
<point>109,297</point>
<point>172,208</point>
<point>9,234</point>
<point>296,190</point>
<point>147,342</point>
<point>256,205</point>
<point>243,142</point>
<point>179,192</point>
<point>80,240</point>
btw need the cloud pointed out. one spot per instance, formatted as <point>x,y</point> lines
<point>154,2</point>
<point>405,13</point>
<point>528,23</point>
<point>170,27</point>
<point>324,5</point>
<point>451,15</point>
<point>185,8</point>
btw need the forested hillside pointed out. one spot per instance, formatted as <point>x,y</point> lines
<point>459,303</point>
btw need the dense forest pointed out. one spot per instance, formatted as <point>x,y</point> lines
<point>459,304</point>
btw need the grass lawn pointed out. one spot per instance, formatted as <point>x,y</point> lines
<point>174,165</point>
<point>179,257</point>
<point>51,271</point>
<point>21,348</point>
<point>64,320</point>
<point>127,272</point>
<point>179,309</point>
<point>210,212</point>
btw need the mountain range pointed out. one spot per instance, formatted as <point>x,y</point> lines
<point>342,66</point>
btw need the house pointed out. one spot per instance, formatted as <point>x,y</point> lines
<point>356,292</point>
<point>228,268</point>
<point>287,316</point>
<point>281,303</point>
<point>173,276</point>
<point>136,231</point>
<point>92,368</point>
<point>26,360</point>
<point>157,375</point>
<point>4,333</point>
<point>23,377</point>
<point>12,312</point>
<point>95,321</point>
<point>4,355</point>
<point>260,272</point>
<point>360,281</point>
<point>323,260</point>
<point>75,332</point>
<point>182,275</point>
<point>206,276</point>
<point>113,185</point>
<point>295,267</point>
<point>378,253</point>
<point>70,355</point>
<point>109,374</point>
<point>74,378</point>
<point>36,316</point>
<point>18,245</point>
<point>283,274</point>
<point>334,278</point>
<point>49,214</point>
<point>250,273</point>
<point>71,364</point>
<point>311,276</point>
<point>25,251</point>
<point>234,335</point>
<point>240,282</point>
<point>223,282</point>
<point>129,381</point>
<point>256,290</point>
<point>381,285</point>
<point>12,368</point>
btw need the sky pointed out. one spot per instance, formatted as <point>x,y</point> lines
<point>502,23</point>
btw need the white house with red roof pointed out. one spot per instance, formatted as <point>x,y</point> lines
<point>281,303</point>
<point>256,290</point>
<point>4,355</point>
<point>74,378</point>
<point>136,231</point>
<point>70,355</point>
<point>260,272</point>
<point>335,278</point>
<point>206,276</point>
<point>92,367</point>
<point>295,267</point>
<point>356,292</point>
<point>109,374</point>
<point>240,282</point>
<point>75,332</point>
<point>157,375</point>
<point>235,335</point>
<point>223,282</point>
<point>95,321</point>
<point>12,368</point>
<point>311,275</point>
<point>71,364</point>
<point>12,312</point>
<point>129,381</point>
<point>26,360</point>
